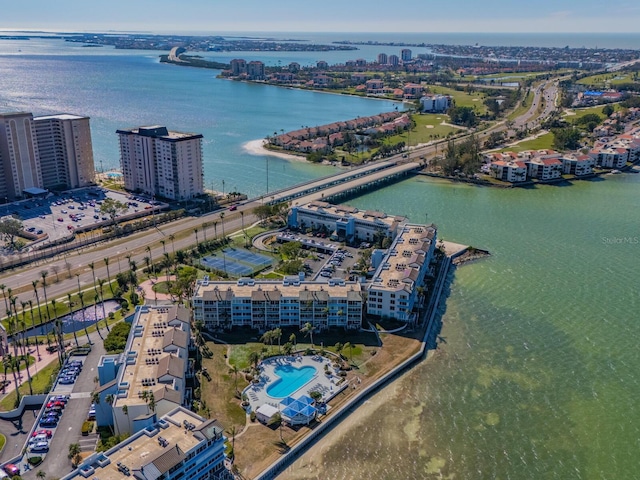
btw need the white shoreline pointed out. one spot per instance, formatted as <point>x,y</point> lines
<point>256,147</point>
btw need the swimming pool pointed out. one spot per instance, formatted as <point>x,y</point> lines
<point>291,379</point>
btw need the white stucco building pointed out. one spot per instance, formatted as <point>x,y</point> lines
<point>393,291</point>
<point>162,163</point>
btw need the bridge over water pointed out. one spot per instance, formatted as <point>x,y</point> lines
<point>334,187</point>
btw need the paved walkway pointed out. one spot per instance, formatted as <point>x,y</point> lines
<point>42,361</point>
<point>151,296</point>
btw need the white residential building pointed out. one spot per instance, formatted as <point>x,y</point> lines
<point>578,165</point>
<point>435,103</point>
<point>66,151</point>
<point>162,163</point>
<point>610,157</point>
<point>393,291</point>
<point>154,366</point>
<point>347,222</point>
<point>179,445</point>
<point>508,171</point>
<point>19,156</point>
<point>264,304</point>
<point>546,167</point>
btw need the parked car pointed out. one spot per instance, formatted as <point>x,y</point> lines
<point>48,423</point>
<point>48,433</point>
<point>61,398</point>
<point>12,469</point>
<point>40,447</point>
<point>66,380</point>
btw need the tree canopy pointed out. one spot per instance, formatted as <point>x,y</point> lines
<point>9,229</point>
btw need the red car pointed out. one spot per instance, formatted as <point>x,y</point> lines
<point>12,469</point>
<point>233,207</point>
<point>55,404</point>
<point>48,433</point>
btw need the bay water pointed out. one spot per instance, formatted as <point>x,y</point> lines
<point>536,371</point>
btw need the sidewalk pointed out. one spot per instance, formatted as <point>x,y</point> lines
<point>45,359</point>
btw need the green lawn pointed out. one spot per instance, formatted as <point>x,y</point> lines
<point>581,112</point>
<point>602,80</point>
<point>462,99</point>
<point>41,383</point>
<point>542,142</point>
<point>428,127</point>
<point>3,440</point>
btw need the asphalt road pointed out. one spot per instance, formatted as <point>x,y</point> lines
<point>117,251</point>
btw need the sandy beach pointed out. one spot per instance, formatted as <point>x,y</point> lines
<point>256,147</point>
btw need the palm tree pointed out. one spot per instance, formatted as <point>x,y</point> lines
<point>215,228</point>
<point>104,313</point>
<point>277,420</point>
<point>106,264</point>
<point>195,230</point>
<point>294,340</point>
<point>164,248</point>
<point>125,410</point>
<point>34,284</point>
<point>204,231</point>
<point>308,329</point>
<point>222,222</point>
<point>254,358</point>
<point>350,347</point>
<point>41,475</point>
<point>277,333</point>
<point>243,232</point>
<point>172,237</point>
<point>73,318</point>
<point>150,257</point>
<point>9,362</point>
<point>109,399</point>
<point>33,327</point>
<point>74,454</point>
<point>234,370</point>
<point>57,327</point>
<point>6,305</point>
<point>84,322</point>
<point>44,274</point>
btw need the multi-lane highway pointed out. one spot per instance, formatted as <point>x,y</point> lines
<point>183,230</point>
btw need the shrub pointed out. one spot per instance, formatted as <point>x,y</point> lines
<point>252,416</point>
<point>35,460</point>
<point>87,427</point>
<point>117,338</point>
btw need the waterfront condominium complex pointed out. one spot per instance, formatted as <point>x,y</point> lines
<point>181,444</point>
<point>53,152</point>
<point>19,157</point>
<point>148,380</point>
<point>66,151</point>
<point>162,163</point>
<point>343,221</point>
<point>266,304</point>
<point>394,289</point>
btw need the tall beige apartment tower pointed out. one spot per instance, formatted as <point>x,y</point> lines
<point>162,163</point>
<point>66,151</point>
<point>19,157</point>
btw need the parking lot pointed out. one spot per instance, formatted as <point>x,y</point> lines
<point>58,215</point>
<point>326,259</point>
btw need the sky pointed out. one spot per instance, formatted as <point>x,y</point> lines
<point>201,16</point>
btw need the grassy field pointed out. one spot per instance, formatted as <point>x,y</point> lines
<point>577,113</point>
<point>463,99</point>
<point>602,80</point>
<point>542,142</point>
<point>3,440</point>
<point>41,383</point>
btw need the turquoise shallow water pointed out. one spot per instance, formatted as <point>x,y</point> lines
<point>536,371</point>
<point>291,379</point>
<point>535,375</point>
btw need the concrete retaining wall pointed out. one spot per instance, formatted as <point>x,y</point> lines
<point>366,392</point>
<point>26,401</point>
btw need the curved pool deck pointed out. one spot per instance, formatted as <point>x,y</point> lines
<point>302,375</point>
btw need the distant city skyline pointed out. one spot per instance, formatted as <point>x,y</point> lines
<point>492,16</point>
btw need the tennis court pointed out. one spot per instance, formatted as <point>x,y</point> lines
<point>245,256</point>
<point>229,266</point>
